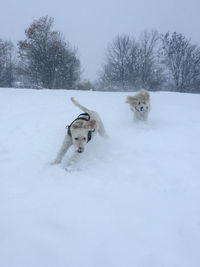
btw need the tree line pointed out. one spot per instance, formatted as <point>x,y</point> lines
<point>167,61</point>
<point>154,61</point>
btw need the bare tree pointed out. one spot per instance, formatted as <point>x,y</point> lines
<point>115,71</point>
<point>6,63</point>
<point>182,59</point>
<point>48,60</point>
<point>133,64</point>
<point>150,72</point>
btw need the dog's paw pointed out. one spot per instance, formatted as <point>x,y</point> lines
<point>67,169</point>
<point>71,169</point>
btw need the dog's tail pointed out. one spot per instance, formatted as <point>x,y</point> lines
<point>76,103</point>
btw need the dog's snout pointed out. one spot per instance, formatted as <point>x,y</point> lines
<point>80,150</point>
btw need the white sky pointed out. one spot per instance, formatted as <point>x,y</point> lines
<point>90,25</point>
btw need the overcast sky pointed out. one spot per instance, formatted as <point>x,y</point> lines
<point>90,24</point>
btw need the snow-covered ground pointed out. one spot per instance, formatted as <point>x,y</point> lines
<point>134,199</point>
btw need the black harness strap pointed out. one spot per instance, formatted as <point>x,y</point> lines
<point>80,117</point>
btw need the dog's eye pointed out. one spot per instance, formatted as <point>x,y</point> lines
<point>84,138</point>
<point>138,103</point>
<point>76,138</point>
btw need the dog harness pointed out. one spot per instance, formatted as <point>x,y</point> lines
<point>83,116</point>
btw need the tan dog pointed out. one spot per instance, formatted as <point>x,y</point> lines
<point>80,131</point>
<point>140,105</point>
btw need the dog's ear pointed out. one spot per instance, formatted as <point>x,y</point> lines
<point>91,124</point>
<point>131,100</point>
<point>145,94</point>
<point>78,124</point>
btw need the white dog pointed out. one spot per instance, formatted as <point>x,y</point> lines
<point>140,105</point>
<point>80,131</point>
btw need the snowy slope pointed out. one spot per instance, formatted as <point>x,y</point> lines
<point>134,200</point>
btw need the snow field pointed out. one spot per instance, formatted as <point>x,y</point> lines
<point>134,199</point>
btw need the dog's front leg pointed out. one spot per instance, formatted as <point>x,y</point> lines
<point>67,142</point>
